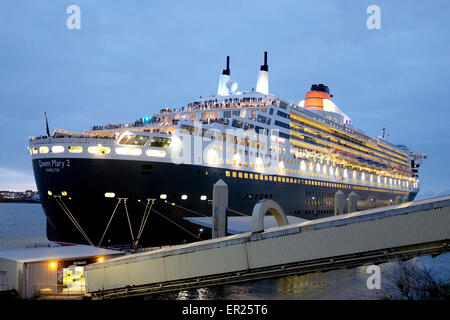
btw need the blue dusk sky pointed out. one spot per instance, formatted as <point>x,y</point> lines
<point>132,58</point>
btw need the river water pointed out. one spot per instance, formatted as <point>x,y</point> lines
<point>23,224</point>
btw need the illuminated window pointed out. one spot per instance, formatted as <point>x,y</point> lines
<point>270,178</point>
<point>256,177</point>
<point>246,175</point>
<point>136,140</point>
<point>98,149</point>
<point>43,150</point>
<point>57,149</point>
<point>160,142</point>
<point>284,179</point>
<point>131,151</point>
<point>227,173</point>
<point>35,150</point>
<point>240,174</point>
<point>153,153</point>
<point>251,175</point>
<point>75,149</point>
<point>234,174</point>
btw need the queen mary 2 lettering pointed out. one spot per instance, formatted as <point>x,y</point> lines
<point>150,182</point>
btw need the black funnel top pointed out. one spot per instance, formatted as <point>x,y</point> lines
<point>321,87</point>
<point>265,67</point>
<point>227,70</point>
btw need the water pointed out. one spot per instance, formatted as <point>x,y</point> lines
<point>23,224</point>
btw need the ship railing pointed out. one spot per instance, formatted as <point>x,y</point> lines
<point>95,140</point>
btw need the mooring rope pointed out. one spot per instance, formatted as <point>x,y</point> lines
<point>237,212</point>
<point>176,224</point>
<point>107,226</point>
<point>72,218</point>
<point>128,217</point>
<point>189,210</point>
<point>144,219</point>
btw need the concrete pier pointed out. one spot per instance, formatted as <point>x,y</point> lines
<point>339,203</point>
<point>352,202</point>
<point>220,205</point>
<point>371,236</point>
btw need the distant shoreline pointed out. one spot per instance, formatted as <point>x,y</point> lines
<point>18,201</point>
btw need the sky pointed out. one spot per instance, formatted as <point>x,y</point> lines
<point>131,58</point>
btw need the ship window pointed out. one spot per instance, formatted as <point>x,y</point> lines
<point>43,150</point>
<point>97,149</point>
<point>227,173</point>
<point>75,149</point>
<point>283,104</point>
<point>283,114</point>
<point>133,139</point>
<point>35,150</point>
<point>160,142</point>
<point>155,153</point>
<point>237,123</point>
<point>248,126</point>
<point>129,151</point>
<point>281,124</point>
<point>57,149</point>
<point>261,119</point>
<point>234,174</point>
<point>246,175</point>
<point>240,174</point>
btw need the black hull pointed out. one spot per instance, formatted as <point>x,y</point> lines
<point>87,180</point>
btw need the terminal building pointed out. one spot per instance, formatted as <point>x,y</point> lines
<point>57,270</point>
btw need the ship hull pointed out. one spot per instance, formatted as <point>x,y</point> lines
<point>82,184</point>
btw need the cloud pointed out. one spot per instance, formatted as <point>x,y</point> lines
<point>14,180</point>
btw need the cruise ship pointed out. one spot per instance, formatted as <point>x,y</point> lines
<point>145,183</point>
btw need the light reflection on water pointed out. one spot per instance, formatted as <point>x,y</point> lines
<point>337,284</point>
<point>24,225</point>
<point>342,284</point>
